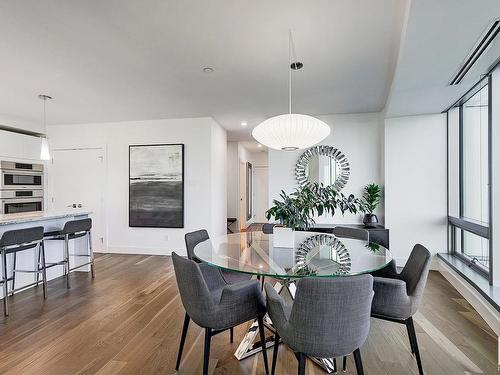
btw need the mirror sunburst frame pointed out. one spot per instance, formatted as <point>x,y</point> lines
<point>342,165</point>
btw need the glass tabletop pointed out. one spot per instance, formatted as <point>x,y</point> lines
<point>313,254</point>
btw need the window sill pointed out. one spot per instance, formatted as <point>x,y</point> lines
<point>476,280</point>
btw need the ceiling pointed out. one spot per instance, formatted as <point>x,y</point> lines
<point>437,39</point>
<point>117,60</point>
<point>123,60</point>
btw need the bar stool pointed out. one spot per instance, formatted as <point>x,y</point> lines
<point>73,229</point>
<point>17,240</point>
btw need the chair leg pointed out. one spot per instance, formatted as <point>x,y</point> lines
<point>413,338</point>
<point>38,254</point>
<point>263,343</point>
<point>14,261</point>
<point>302,364</point>
<point>206,355</point>
<point>410,337</point>
<point>231,334</point>
<point>5,284</point>
<point>344,363</point>
<point>334,365</point>
<point>91,254</point>
<point>183,340</point>
<point>359,363</point>
<point>275,352</point>
<point>44,270</point>
<point>66,256</point>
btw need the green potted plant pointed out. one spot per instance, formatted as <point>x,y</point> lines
<point>297,209</point>
<point>372,193</point>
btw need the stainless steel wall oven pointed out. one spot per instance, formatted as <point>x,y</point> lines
<point>21,187</point>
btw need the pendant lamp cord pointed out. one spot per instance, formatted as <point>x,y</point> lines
<point>290,71</point>
<point>44,117</point>
<point>292,59</point>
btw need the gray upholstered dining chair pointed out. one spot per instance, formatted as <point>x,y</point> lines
<point>349,232</point>
<point>215,305</point>
<point>398,295</point>
<point>194,238</point>
<point>330,317</point>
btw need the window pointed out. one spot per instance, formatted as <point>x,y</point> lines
<point>469,177</point>
<point>474,171</point>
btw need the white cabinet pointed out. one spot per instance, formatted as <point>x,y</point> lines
<point>31,147</point>
<point>19,146</point>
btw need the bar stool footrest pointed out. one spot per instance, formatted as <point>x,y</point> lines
<point>81,265</point>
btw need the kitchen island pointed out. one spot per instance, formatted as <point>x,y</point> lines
<point>51,221</point>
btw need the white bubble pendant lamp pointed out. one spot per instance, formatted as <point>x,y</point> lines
<point>291,131</point>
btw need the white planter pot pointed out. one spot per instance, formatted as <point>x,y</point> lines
<point>283,237</point>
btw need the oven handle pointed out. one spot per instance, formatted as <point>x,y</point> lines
<point>24,200</point>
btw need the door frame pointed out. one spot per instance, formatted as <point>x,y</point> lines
<point>242,221</point>
<point>49,190</point>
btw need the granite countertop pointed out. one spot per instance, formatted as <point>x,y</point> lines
<point>26,217</point>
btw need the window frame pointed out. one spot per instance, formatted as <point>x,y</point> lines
<point>460,222</point>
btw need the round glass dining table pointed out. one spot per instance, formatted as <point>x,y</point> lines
<point>313,255</point>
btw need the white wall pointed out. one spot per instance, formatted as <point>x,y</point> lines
<point>358,136</point>
<point>202,164</point>
<point>218,179</point>
<point>258,158</point>
<point>415,183</point>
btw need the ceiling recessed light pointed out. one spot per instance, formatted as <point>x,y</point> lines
<point>244,123</point>
<point>208,69</point>
<point>259,145</point>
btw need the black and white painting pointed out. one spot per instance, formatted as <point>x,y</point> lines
<point>156,186</point>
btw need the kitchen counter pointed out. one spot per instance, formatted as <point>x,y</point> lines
<point>28,217</point>
<point>50,221</point>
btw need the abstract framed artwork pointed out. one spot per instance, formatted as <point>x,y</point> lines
<point>156,186</point>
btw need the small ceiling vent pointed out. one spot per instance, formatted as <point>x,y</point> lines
<point>476,52</point>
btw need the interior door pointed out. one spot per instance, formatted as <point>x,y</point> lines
<point>77,183</point>
<point>260,191</point>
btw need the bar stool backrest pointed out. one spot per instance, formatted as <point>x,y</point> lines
<point>21,239</point>
<point>77,228</point>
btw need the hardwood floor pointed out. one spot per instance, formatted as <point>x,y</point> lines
<point>128,321</point>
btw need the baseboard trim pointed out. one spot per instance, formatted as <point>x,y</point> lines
<point>142,250</point>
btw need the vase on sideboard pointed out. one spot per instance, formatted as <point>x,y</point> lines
<point>370,220</point>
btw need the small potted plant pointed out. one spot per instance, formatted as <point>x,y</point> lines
<point>371,199</point>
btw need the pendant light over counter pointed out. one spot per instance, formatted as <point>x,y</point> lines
<point>44,149</point>
<point>291,131</point>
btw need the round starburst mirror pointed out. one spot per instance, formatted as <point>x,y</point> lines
<point>325,165</point>
<point>322,255</point>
